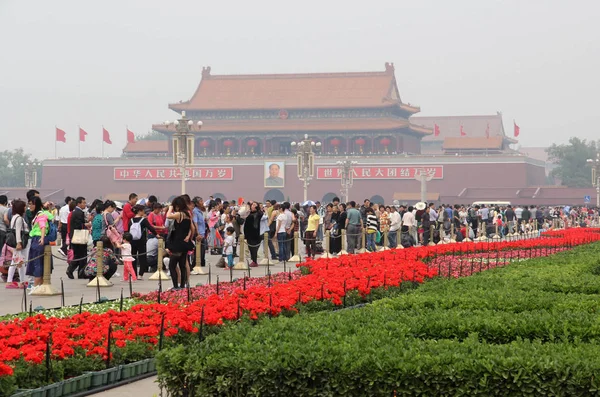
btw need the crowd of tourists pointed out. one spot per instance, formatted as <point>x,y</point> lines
<point>129,231</point>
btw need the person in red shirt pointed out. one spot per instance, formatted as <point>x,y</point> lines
<point>128,211</point>
<point>157,219</point>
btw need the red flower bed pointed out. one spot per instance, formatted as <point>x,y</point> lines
<point>329,279</point>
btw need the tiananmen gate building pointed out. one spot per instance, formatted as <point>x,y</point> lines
<point>250,121</point>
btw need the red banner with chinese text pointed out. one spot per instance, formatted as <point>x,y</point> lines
<point>384,172</point>
<point>173,173</point>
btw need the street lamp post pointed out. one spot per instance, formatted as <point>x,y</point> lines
<point>347,176</point>
<point>596,176</point>
<point>423,176</point>
<point>183,145</point>
<point>31,173</point>
<point>306,160</point>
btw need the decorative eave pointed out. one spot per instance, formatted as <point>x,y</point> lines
<point>421,129</point>
<point>300,126</point>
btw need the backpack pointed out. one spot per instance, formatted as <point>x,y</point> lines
<point>52,232</point>
<point>136,230</point>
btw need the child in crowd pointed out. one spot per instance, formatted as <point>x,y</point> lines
<point>127,258</point>
<point>228,245</point>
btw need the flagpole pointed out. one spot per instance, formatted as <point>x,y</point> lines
<point>55,143</point>
<point>79,144</point>
<point>102,141</point>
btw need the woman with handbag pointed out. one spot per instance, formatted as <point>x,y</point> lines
<point>178,241</point>
<point>20,254</point>
<point>79,235</point>
<point>39,228</point>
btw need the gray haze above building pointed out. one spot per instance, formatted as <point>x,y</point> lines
<point>119,63</point>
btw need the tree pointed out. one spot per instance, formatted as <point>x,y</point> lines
<point>13,164</point>
<point>572,168</point>
<point>151,136</point>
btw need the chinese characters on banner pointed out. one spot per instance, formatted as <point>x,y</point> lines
<point>173,173</point>
<point>385,172</point>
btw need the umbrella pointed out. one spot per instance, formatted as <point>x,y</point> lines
<point>420,206</point>
<point>142,201</point>
<point>308,202</point>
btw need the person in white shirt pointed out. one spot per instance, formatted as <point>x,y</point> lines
<point>433,215</point>
<point>63,217</point>
<point>409,223</point>
<point>519,213</point>
<point>395,223</point>
<point>282,235</point>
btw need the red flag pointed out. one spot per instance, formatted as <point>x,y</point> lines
<point>487,131</point>
<point>517,129</point>
<point>106,136</point>
<point>61,136</point>
<point>130,136</point>
<point>436,130</point>
<point>462,132</point>
<point>82,135</point>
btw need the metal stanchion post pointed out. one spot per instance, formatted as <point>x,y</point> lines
<point>431,230</point>
<point>160,274</point>
<point>363,241</point>
<point>483,232</point>
<point>197,270</point>
<point>46,288</point>
<point>100,280</point>
<point>241,265</point>
<point>296,257</point>
<point>326,253</point>
<point>496,236</point>
<point>442,235</point>
<point>265,260</point>
<point>385,245</point>
<point>344,243</point>
<point>467,239</point>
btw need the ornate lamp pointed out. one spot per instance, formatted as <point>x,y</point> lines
<point>385,142</point>
<point>360,142</point>
<point>228,144</point>
<point>335,142</point>
<point>252,143</point>
<point>204,144</point>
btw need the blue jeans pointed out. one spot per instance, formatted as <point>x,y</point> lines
<point>392,239</point>
<point>281,237</point>
<point>371,242</point>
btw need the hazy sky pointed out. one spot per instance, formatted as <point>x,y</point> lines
<point>118,63</point>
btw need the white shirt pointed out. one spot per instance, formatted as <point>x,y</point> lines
<point>63,214</point>
<point>281,221</point>
<point>408,219</point>
<point>395,221</point>
<point>289,219</point>
<point>229,244</point>
<point>433,215</point>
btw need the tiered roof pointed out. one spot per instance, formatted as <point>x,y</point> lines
<point>296,91</point>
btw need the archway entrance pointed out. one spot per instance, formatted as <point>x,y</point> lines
<point>328,198</point>
<point>274,194</point>
<point>377,199</point>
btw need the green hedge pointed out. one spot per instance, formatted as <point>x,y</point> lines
<point>527,329</point>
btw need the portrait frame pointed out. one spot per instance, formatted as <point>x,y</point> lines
<point>278,178</point>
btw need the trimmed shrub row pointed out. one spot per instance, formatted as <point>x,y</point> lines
<point>528,329</point>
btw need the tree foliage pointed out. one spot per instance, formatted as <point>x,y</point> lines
<point>572,168</point>
<point>13,164</point>
<point>151,136</point>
